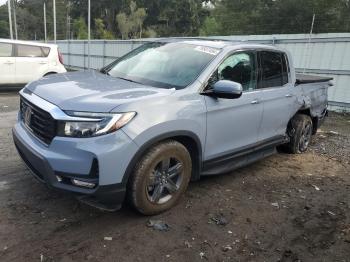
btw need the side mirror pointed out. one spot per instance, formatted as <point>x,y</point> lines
<point>226,89</point>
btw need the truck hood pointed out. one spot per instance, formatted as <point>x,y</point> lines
<point>91,91</point>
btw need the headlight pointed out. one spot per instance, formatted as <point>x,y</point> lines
<point>99,124</point>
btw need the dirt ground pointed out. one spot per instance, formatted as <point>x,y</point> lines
<point>283,208</point>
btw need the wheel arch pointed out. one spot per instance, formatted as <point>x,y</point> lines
<point>50,73</point>
<point>186,138</point>
<point>307,111</point>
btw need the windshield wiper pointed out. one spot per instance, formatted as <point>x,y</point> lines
<point>126,79</point>
<point>104,71</point>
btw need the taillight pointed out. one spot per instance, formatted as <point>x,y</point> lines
<point>60,57</point>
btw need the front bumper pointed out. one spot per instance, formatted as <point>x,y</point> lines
<point>102,160</point>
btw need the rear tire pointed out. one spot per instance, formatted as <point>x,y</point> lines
<point>160,178</point>
<point>300,132</point>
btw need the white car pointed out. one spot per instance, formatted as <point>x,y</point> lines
<point>22,61</point>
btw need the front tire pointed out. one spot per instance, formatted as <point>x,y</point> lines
<point>300,134</point>
<point>160,178</point>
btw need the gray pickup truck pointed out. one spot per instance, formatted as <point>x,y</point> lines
<point>166,113</point>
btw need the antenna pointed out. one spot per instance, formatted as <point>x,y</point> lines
<point>308,44</point>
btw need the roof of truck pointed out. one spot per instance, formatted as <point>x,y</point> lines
<point>216,43</point>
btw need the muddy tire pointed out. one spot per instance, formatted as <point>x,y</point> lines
<point>160,178</point>
<point>300,132</point>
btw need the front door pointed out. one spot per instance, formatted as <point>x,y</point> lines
<point>7,64</point>
<point>233,124</point>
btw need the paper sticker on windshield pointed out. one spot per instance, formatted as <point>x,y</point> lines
<point>208,50</point>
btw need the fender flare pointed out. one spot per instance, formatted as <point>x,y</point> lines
<point>49,73</point>
<point>169,135</point>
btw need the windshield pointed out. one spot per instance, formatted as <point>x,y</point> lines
<point>165,65</point>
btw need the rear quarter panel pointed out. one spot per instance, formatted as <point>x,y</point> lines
<point>54,64</point>
<point>315,97</point>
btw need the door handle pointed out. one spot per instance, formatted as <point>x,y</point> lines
<point>8,63</point>
<point>254,102</point>
<point>42,62</point>
<point>288,95</point>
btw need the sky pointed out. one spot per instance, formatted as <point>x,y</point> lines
<point>2,2</point>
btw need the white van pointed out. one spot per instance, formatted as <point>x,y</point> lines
<point>23,61</point>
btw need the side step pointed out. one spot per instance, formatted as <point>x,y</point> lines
<point>237,162</point>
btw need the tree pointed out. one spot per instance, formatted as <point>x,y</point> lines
<point>80,28</point>
<point>149,18</point>
<point>4,26</point>
<point>137,17</point>
<point>180,17</point>
<point>280,16</point>
<point>130,25</point>
<point>124,25</point>
<point>209,27</point>
<point>100,31</point>
<point>4,29</point>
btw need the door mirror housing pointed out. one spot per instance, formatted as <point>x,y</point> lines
<point>226,89</point>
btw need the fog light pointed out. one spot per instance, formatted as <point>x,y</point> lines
<point>82,183</point>
<point>59,178</point>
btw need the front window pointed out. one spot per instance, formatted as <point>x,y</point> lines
<point>165,65</point>
<point>239,67</point>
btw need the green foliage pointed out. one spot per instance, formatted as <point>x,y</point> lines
<point>209,27</point>
<point>100,31</point>
<point>4,26</point>
<point>4,29</point>
<point>80,28</point>
<point>179,17</point>
<point>130,25</point>
<point>124,25</point>
<point>149,18</point>
<point>149,33</point>
<point>281,16</point>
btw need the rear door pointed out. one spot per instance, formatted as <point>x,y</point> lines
<point>233,124</point>
<point>7,63</point>
<point>277,93</point>
<point>31,63</point>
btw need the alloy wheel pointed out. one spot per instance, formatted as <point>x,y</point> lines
<point>165,180</point>
<point>305,137</point>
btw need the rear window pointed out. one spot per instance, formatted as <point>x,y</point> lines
<point>46,50</point>
<point>29,51</point>
<point>272,69</point>
<point>5,50</point>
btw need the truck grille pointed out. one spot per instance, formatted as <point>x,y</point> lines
<point>38,121</point>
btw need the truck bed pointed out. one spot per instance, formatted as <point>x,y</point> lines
<point>308,79</point>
